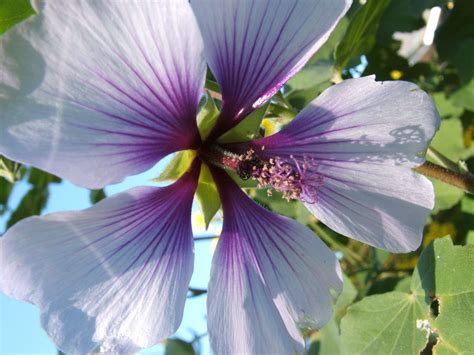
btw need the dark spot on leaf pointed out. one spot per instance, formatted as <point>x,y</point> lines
<point>435,307</point>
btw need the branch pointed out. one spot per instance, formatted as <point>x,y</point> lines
<point>462,181</point>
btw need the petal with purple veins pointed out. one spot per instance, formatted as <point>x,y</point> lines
<point>254,47</point>
<point>355,147</point>
<point>95,91</point>
<point>270,277</point>
<point>115,275</point>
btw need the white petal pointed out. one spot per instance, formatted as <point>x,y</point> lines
<point>270,277</point>
<point>360,140</point>
<point>94,91</point>
<point>114,275</point>
<point>254,47</point>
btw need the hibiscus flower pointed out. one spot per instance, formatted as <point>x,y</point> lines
<point>95,91</point>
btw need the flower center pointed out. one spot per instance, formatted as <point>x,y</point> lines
<point>295,179</point>
<point>274,173</point>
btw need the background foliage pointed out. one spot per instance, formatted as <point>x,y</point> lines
<point>405,304</point>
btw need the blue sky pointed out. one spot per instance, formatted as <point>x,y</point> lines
<point>20,331</point>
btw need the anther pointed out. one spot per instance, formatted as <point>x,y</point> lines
<point>273,174</point>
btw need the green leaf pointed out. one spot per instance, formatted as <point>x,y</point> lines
<point>177,166</point>
<point>444,273</point>
<point>207,117</point>
<point>360,35</point>
<point>10,170</point>
<point>178,347</point>
<point>348,295</point>
<point>454,39</point>
<point>401,322</point>
<point>31,205</point>
<point>5,191</point>
<point>328,341</point>
<point>247,129</point>
<point>41,179</point>
<point>467,204</point>
<point>13,12</point>
<point>207,195</point>
<point>445,106</point>
<point>283,114</point>
<point>211,85</point>
<point>404,285</point>
<point>461,56</point>
<point>470,238</point>
<point>326,52</point>
<point>464,97</point>
<point>36,198</point>
<point>449,140</point>
<point>311,75</point>
<point>302,98</point>
<point>293,209</point>
<point>308,83</point>
<point>384,324</point>
<point>97,195</point>
<point>446,196</point>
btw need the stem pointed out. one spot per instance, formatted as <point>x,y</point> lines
<point>372,272</point>
<point>462,181</point>
<point>441,159</point>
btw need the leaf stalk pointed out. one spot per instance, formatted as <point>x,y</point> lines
<point>463,181</point>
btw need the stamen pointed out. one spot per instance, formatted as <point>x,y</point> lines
<point>311,181</point>
<point>294,182</point>
<point>296,179</point>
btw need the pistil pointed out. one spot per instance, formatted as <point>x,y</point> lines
<point>217,156</point>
